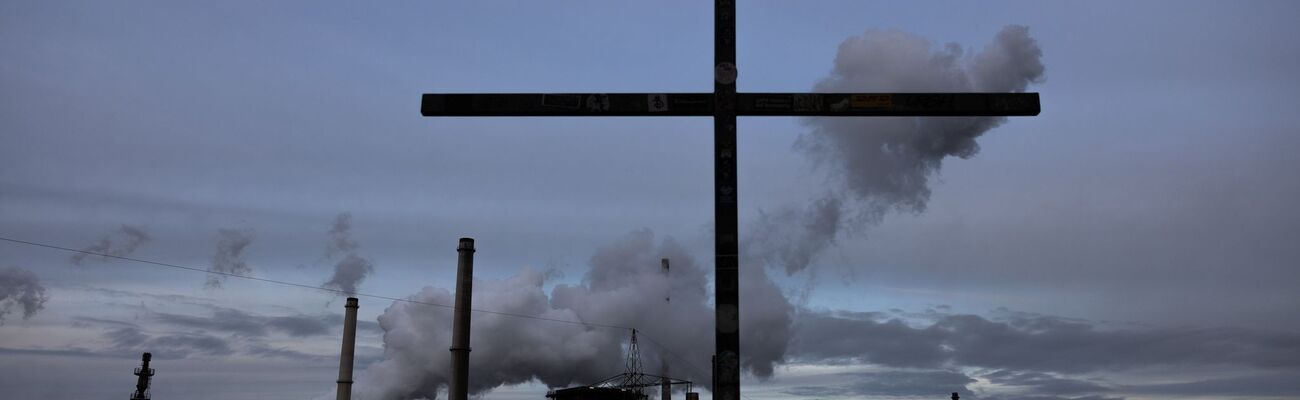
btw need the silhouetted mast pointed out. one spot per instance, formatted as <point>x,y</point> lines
<point>144,374</point>
<point>665,388</point>
<point>458,388</point>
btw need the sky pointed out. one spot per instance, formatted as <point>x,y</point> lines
<point>1134,241</point>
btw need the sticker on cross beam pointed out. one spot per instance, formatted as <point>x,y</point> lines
<point>561,101</point>
<point>773,102</point>
<point>807,102</point>
<point>841,105</point>
<point>871,101</point>
<point>598,102</point>
<point>725,73</point>
<point>657,102</point>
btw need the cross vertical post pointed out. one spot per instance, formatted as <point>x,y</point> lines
<point>725,214</point>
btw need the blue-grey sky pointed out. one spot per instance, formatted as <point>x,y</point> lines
<point>1135,240</point>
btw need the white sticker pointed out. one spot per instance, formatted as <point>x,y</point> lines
<point>657,102</point>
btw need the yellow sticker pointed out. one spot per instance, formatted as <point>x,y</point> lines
<point>871,101</point>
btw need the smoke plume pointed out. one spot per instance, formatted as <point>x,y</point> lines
<point>884,164</point>
<point>229,258</point>
<point>20,288</point>
<point>349,272</point>
<point>340,237</point>
<point>119,243</point>
<point>624,287</point>
<point>351,269</point>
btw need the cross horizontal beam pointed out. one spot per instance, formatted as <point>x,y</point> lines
<point>567,104</point>
<point>888,104</point>
<point>748,104</point>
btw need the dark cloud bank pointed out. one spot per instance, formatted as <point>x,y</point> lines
<point>222,332</point>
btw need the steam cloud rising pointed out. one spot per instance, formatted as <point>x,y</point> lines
<point>352,269</point>
<point>229,258</point>
<point>20,288</point>
<point>119,243</point>
<point>885,164</point>
<point>624,287</point>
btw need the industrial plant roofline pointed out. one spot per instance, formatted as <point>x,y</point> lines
<point>616,388</point>
<point>641,381</point>
<point>595,393</point>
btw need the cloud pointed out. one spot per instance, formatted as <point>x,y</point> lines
<point>1046,397</point>
<point>223,320</point>
<point>1036,343</point>
<point>931,384</point>
<point>1045,383</point>
<point>882,165</point>
<point>22,289</point>
<point>168,298</point>
<point>244,324</point>
<point>169,346</point>
<point>301,325</point>
<point>229,258</point>
<point>120,243</point>
<point>265,351</point>
<point>1281,385</point>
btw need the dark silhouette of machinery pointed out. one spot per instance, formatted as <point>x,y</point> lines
<point>629,385</point>
<point>143,375</point>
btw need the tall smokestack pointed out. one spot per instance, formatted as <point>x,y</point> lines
<point>143,374</point>
<point>349,348</point>
<point>665,386</point>
<point>459,389</point>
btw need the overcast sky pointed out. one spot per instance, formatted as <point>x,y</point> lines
<point>1136,240</point>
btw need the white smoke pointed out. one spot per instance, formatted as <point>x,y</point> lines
<point>624,287</point>
<point>119,243</point>
<point>884,164</point>
<point>22,289</point>
<point>229,258</point>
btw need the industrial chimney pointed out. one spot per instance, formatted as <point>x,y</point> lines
<point>143,374</point>
<point>665,385</point>
<point>349,348</point>
<point>459,388</point>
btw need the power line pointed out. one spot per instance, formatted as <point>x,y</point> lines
<point>304,286</point>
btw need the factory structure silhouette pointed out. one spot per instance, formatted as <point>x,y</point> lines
<point>631,384</point>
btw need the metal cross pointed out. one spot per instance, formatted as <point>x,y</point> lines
<point>724,104</point>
